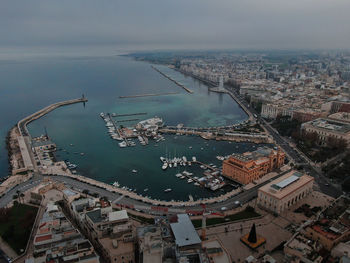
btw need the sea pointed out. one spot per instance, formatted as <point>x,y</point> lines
<point>31,83</point>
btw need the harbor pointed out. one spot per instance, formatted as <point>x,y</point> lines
<point>104,160</point>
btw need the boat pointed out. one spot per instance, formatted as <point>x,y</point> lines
<point>134,171</point>
<point>165,165</point>
<point>194,159</point>
<point>189,181</point>
<point>170,165</point>
<point>196,184</point>
<point>167,190</point>
<point>178,175</point>
<point>145,190</point>
<point>116,184</point>
<point>122,144</point>
<point>182,177</point>
<point>102,114</point>
<point>190,147</point>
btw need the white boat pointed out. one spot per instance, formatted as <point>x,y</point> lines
<point>145,190</point>
<point>178,175</point>
<point>102,114</point>
<point>194,159</point>
<point>134,171</point>
<point>122,144</point>
<point>189,181</point>
<point>167,190</point>
<point>182,177</point>
<point>165,165</point>
<point>116,184</point>
<point>196,184</point>
<point>175,164</point>
<point>170,165</point>
<point>162,159</point>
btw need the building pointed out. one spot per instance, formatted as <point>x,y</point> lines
<point>333,226</point>
<point>272,111</point>
<point>340,116</point>
<point>278,195</point>
<point>304,115</point>
<point>303,249</point>
<point>250,166</point>
<point>57,240</point>
<point>112,232</point>
<point>150,244</point>
<point>187,242</point>
<point>328,129</point>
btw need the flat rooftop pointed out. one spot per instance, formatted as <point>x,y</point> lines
<point>330,125</point>
<point>184,231</point>
<point>286,184</point>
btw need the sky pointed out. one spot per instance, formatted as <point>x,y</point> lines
<point>177,24</point>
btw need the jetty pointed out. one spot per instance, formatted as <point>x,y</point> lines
<point>22,124</point>
<point>128,114</point>
<point>148,95</point>
<point>173,80</point>
<point>24,138</point>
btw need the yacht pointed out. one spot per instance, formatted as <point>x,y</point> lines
<point>122,144</point>
<point>167,190</point>
<point>162,159</point>
<point>134,171</point>
<point>165,165</point>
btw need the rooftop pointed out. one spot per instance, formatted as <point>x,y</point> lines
<point>286,184</point>
<point>184,231</point>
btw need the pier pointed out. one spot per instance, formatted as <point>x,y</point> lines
<point>173,80</point>
<point>148,95</point>
<point>129,114</point>
<point>22,124</point>
<point>219,134</point>
<point>25,139</point>
<point>208,82</point>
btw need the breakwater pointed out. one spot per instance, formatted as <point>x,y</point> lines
<point>22,124</point>
<point>173,80</point>
<point>148,95</point>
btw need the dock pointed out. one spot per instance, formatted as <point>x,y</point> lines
<point>129,120</point>
<point>128,114</point>
<point>148,95</point>
<point>173,80</point>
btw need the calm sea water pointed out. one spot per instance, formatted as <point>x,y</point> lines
<point>29,85</point>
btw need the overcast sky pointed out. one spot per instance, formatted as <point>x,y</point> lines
<point>258,24</point>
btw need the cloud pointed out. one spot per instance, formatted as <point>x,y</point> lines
<point>177,23</point>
